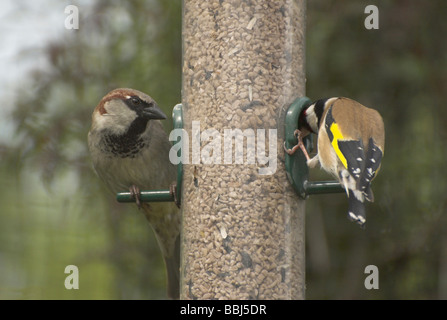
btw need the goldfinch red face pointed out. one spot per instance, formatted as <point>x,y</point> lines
<point>351,141</point>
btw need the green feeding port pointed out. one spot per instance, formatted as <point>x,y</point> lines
<point>161,195</point>
<point>321,187</point>
<point>296,166</point>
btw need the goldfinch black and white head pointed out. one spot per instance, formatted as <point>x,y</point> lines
<point>351,142</point>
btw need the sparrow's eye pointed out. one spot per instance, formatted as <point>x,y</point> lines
<point>135,100</point>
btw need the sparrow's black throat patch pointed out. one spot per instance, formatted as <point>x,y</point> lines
<point>126,145</point>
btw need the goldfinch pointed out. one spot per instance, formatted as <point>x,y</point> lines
<point>351,144</point>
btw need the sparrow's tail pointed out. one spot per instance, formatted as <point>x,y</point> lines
<point>173,271</point>
<point>166,227</point>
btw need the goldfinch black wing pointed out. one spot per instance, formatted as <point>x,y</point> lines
<point>349,151</point>
<point>361,164</point>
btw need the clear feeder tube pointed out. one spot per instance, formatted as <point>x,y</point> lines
<point>243,225</point>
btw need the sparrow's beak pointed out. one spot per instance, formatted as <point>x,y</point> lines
<point>154,112</point>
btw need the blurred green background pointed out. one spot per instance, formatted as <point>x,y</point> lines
<point>55,212</point>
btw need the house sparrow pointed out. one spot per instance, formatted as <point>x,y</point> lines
<point>130,151</point>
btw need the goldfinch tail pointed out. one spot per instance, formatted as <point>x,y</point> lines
<point>356,209</point>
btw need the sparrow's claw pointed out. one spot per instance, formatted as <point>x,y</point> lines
<point>173,191</point>
<point>135,192</point>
